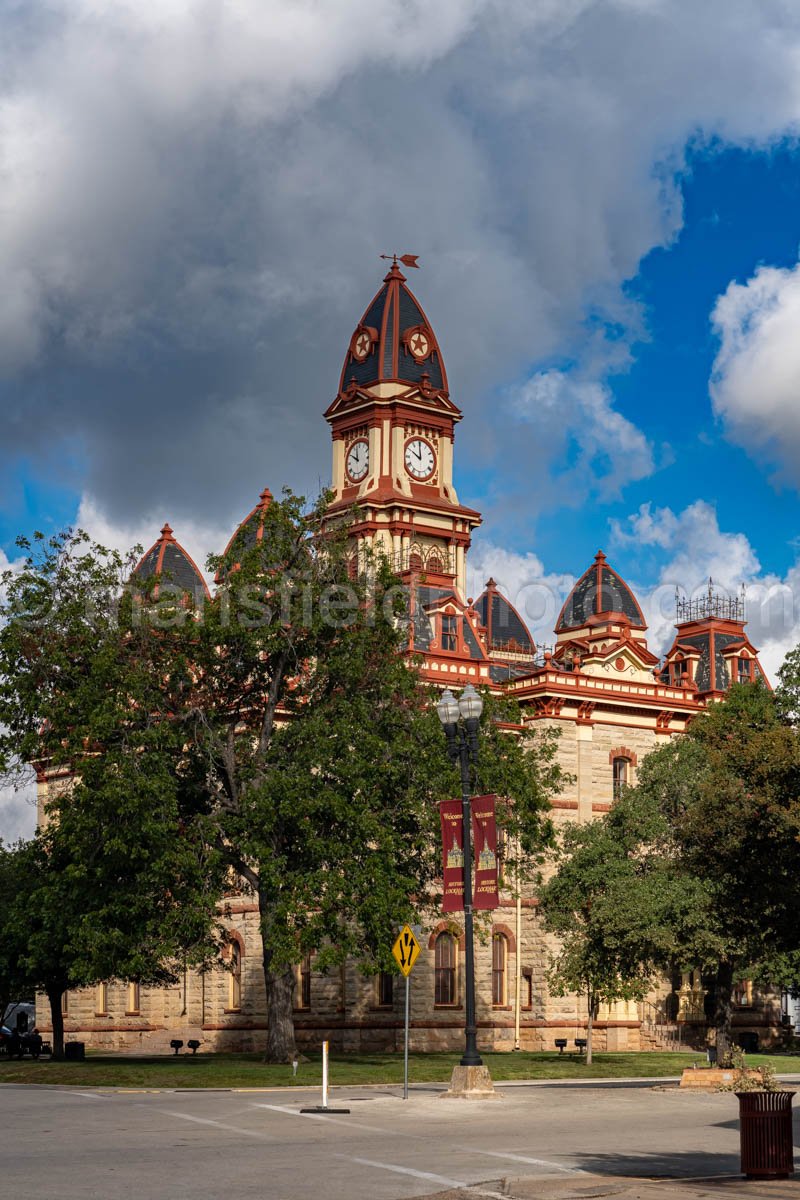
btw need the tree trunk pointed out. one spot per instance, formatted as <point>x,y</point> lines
<point>279,986</point>
<point>54,995</point>
<point>723,1009</point>
<point>281,1046</point>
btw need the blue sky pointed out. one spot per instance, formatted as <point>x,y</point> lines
<point>741,210</point>
<point>604,198</point>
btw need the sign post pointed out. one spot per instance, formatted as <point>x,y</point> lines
<point>406,952</point>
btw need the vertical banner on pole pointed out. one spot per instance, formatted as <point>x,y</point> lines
<point>484,840</point>
<point>452,856</point>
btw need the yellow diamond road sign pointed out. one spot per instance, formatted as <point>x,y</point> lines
<point>406,950</point>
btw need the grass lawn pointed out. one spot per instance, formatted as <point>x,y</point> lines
<point>247,1070</point>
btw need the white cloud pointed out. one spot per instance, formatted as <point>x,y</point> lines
<point>693,549</point>
<point>576,418</point>
<point>755,385</point>
<point>536,594</point>
<point>198,538</point>
<point>674,553</point>
<point>18,810</point>
<point>194,195</point>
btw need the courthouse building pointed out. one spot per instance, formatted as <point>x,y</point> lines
<point>393,426</point>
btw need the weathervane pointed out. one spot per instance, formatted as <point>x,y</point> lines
<point>408,260</point>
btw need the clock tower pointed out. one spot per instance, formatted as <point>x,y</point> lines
<point>392,424</point>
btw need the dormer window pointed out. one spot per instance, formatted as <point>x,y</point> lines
<point>449,638</point>
<point>744,670</point>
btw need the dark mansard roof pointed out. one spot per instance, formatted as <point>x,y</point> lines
<point>166,559</point>
<point>426,598</point>
<point>250,531</point>
<point>600,592</point>
<point>711,674</point>
<point>505,628</point>
<point>394,341</point>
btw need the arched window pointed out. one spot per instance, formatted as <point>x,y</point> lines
<point>435,563</point>
<point>445,969</point>
<point>499,970</point>
<point>415,561</point>
<point>235,982</point>
<point>527,988</point>
<point>352,567</point>
<point>620,768</point>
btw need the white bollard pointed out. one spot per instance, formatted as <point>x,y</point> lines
<point>324,1074</point>
<point>323,1108</point>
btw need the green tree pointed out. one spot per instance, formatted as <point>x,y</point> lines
<point>279,732</point>
<point>737,827</point>
<point>116,882</point>
<point>787,693</point>
<point>13,881</point>
<point>710,833</point>
<point>313,742</point>
<point>618,905</point>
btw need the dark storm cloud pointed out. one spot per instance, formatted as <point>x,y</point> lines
<point>195,196</point>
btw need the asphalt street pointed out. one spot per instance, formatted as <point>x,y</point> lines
<point>205,1145</point>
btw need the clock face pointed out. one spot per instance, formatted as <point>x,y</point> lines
<point>358,460</point>
<point>419,458</point>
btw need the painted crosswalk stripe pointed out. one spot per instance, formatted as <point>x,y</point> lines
<point>442,1179</point>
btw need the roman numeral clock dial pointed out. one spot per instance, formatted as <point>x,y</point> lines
<point>358,460</point>
<point>419,458</point>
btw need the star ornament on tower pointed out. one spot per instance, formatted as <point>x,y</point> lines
<point>419,342</point>
<point>362,342</point>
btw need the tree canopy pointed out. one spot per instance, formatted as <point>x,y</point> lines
<point>116,882</point>
<point>312,739</point>
<point>695,866</point>
<point>278,732</point>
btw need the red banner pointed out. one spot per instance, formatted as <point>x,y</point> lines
<point>484,842</point>
<point>452,855</point>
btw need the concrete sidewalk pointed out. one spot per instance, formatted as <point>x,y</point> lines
<point>538,1187</point>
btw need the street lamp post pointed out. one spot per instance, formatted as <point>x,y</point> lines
<point>460,718</point>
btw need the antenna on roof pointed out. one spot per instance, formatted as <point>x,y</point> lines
<point>408,260</point>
